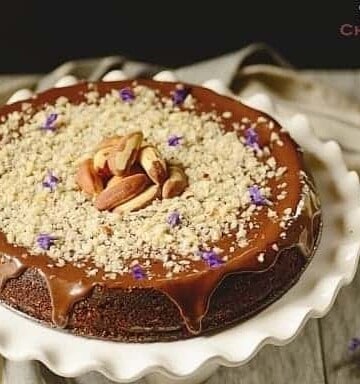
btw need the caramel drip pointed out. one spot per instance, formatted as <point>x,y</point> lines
<point>192,297</point>
<point>10,270</point>
<point>182,292</point>
<point>191,292</point>
<point>64,294</point>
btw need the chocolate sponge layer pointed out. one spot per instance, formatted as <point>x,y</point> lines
<point>147,315</point>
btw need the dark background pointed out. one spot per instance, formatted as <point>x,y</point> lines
<point>35,36</point>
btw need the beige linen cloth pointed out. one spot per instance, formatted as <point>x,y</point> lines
<point>254,69</point>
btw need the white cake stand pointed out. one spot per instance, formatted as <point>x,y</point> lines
<point>192,361</point>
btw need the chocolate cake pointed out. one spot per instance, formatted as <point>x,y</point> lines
<point>147,211</point>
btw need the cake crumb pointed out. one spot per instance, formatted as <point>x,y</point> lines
<point>275,247</point>
<point>261,257</point>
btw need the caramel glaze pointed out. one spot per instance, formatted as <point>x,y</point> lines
<point>191,292</point>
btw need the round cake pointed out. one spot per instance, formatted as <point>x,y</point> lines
<point>145,211</point>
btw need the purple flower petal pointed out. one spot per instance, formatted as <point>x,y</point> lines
<point>180,95</point>
<point>211,258</point>
<point>50,122</point>
<point>174,140</point>
<point>50,181</point>
<point>174,219</point>
<point>251,138</point>
<point>354,344</point>
<point>127,94</point>
<point>45,241</point>
<point>138,272</point>
<point>255,195</point>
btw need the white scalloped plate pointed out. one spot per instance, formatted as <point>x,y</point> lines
<point>192,361</point>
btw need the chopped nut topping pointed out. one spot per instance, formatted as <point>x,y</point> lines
<point>227,115</point>
<point>212,190</point>
<point>275,247</point>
